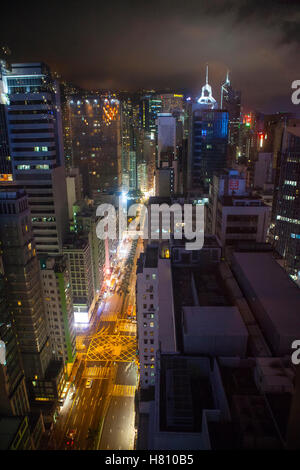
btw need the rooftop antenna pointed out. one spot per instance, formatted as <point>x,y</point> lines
<point>206,97</point>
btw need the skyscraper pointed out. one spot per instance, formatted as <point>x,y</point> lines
<point>95,134</point>
<point>13,394</point>
<point>5,159</point>
<point>207,146</point>
<point>36,148</point>
<point>287,225</point>
<point>150,106</point>
<point>231,102</point>
<point>24,286</point>
<point>59,306</point>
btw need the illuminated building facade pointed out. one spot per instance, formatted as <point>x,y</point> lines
<point>287,221</point>
<point>150,106</point>
<point>59,307</point>
<point>234,215</point>
<point>78,251</point>
<point>231,102</point>
<point>207,140</point>
<point>96,146</point>
<point>207,151</point>
<point>35,140</point>
<point>171,102</point>
<point>25,295</point>
<point>13,393</point>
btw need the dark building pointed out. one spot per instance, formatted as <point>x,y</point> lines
<point>287,220</point>
<point>25,291</point>
<point>231,102</point>
<point>150,106</point>
<point>207,146</point>
<point>13,394</point>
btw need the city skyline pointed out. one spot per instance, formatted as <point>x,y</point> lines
<point>96,47</point>
<point>150,228</point>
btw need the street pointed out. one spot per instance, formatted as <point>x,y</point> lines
<point>102,416</point>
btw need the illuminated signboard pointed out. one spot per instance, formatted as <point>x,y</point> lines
<point>247,120</point>
<point>234,185</point>
<point>6,177</point>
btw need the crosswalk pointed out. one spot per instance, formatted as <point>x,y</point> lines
<point>126,326</point>
<point>97,372</point>
<point>124,390</point>
<point>109,317</point>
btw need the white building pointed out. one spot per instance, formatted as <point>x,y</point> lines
<point>155,312</point>
<point>142,177</point>
<point>78,251</point>
<point>74,188</point>
<point>59,306</point>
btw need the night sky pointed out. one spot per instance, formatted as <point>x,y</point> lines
<point>132,44</point>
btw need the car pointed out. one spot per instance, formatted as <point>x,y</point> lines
<point>71,433</point>
<point>88,383</point>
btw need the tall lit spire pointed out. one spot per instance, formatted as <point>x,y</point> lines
<point>224,87</point>
<point>227,78</point>
<point>206,98</point>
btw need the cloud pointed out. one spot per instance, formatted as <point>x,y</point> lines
<point>166,44</point>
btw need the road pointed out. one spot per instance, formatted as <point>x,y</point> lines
<point>102,416</point>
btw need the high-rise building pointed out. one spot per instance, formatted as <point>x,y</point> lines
<point>231,102</point>
<point>155,312</point>
<point>85,222</point>
<point>13,393</point>
<point>95,135</point>
<point>142,177</point>
<point>235,215</point>
<point>36,148</point>
<point>150,106</point>
<point>287,212</point>
<point>5,158</point>
<point>59,306</point>
<point>166,136</point>
<point>207,147</point>
<point>149,153</point>
<point>208,136</point>
<point>74,188</point>
<point>171,102</point>
<point>25,294</point>
<point>78,251</point>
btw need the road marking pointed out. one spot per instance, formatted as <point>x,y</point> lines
<point>124,391</point>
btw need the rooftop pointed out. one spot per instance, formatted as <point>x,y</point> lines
<point>220,321</point>
<point>278,295</point>
<point>185,391</point>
